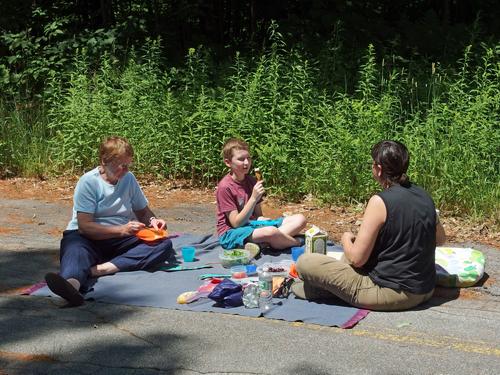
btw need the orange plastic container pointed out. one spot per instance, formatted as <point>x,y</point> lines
<point>150,235</point>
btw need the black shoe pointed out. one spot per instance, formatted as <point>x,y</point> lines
<point>64,289</point>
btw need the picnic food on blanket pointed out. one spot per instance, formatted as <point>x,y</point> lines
<point>276,283</point>
<point>234,257</point>
<point>459,267</point>
<point>269,270</point>
<point>315,240</point>
<point>253,249</point>
<point>238,272</point>
<point>258,174</point>
<point>203,291</point>
<point>293,272</point>
<point>186,297</point>
<point>150,234</point>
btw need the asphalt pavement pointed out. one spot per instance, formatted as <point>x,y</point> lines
<point>455,333</point>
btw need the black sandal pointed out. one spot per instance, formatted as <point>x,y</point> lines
<point>64,289</point>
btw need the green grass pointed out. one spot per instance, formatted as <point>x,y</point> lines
<point>307,137</point>
<point>24,135</point>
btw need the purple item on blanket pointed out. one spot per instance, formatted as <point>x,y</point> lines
<point>227,294</point>
<point>160,289</point>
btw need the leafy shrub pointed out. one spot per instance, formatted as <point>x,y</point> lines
<point>304,138</point>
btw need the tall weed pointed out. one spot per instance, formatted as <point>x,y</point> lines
<point>305,136</point>
<point>23,140</point>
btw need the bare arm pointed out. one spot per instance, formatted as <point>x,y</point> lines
<point>258,212</point>
<point>147,217</point>
<point>95,231</point>
<point>357,250</point>
<point>440,234</point>
<point>238,219</point>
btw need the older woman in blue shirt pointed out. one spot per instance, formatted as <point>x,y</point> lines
<point>109,208</point>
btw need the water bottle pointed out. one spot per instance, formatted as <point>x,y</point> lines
<point>265,300</point>
<point>265,289</point>
<point>265,280</point>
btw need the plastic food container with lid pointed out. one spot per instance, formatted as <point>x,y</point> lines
<point>230,258</point>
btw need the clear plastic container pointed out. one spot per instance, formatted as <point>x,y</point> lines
<point>267,270</point>
<point>238,272</point>
<point>230,258</point>
<point>251,296</point>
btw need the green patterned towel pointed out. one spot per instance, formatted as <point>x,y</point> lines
<point>459,267</point>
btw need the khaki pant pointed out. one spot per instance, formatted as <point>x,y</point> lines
<point>324,276</point>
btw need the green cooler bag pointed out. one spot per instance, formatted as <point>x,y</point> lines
<point>459,267</point>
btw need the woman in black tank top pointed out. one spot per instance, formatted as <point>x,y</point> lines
<point>390,264</point>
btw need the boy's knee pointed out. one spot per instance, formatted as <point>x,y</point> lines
<point>269,232</point>
<point>301,220</point>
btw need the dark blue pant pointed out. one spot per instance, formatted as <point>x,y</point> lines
<point>78,254</point>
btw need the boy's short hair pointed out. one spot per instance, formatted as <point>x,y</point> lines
<point>233,144</point>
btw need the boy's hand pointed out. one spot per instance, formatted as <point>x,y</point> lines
<point>258,191</point>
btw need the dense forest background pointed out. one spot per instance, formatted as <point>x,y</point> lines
<point>40,36</point>
<point>310,84</point>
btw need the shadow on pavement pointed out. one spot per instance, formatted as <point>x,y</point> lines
<point>87,339</point>
<point>309,369</point>
<point>22,269</point>
<point>92,339</point>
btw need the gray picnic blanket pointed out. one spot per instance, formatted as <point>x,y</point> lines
<point>160,288</point>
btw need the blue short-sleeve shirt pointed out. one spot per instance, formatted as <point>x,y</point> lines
<point>110,204</point>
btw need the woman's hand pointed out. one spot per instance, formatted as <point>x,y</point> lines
<point>157,224</point>
<point>347,239</point>
<point>95,231</point>
<point>131,228</point>
<point>147,217</point>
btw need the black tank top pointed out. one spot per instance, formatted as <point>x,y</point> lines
<point>403,257</point>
